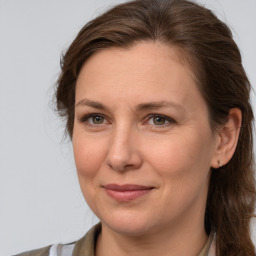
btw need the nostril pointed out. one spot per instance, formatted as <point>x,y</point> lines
<point>117,164</point>
<point>129,162</point>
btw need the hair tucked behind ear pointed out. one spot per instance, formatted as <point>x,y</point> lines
<point>206,45</point>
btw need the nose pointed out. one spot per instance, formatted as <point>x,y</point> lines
<point>123,153</point>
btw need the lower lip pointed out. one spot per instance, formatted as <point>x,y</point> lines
<point>127,195</point>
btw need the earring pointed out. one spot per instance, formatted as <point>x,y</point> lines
<point>220,165</point>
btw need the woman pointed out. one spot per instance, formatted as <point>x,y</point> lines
<point>157,107</point>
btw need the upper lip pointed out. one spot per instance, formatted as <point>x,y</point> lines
<point>126,187</point>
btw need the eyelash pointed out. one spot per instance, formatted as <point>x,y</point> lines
<point>85,118</point>
<point>167,119</point>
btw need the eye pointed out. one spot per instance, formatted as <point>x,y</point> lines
<point>160,120</point>
<point>93,119</point>
<point>96,119</point>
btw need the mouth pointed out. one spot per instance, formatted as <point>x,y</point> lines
<point>127,192</point>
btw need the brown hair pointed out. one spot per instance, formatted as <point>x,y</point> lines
<point>206,41</point>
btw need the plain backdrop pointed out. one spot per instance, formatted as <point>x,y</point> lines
<point>40,199</point>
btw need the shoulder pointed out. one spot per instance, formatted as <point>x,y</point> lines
<point>84,246</point>
<point>39,252</point>
<point>51,250</point>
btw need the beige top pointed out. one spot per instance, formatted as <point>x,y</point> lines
<point>86,245</point>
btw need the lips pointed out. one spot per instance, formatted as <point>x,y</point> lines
<point>127,192</point>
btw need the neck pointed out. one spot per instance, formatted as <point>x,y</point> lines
<point>179,240</point>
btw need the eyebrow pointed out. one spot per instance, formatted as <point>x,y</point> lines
<point>158,105</point>
<point>140,107</point>
<point>90,103</point>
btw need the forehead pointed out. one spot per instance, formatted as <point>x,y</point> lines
<point>145,54</point>
<point>145,72</point>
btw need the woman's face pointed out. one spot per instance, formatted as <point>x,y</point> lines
<point>142,141</point>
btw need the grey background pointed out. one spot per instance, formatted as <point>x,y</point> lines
<point>40,199</point>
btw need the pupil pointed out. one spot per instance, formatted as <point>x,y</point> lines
<point>97,119</point>
<point>159,120</point>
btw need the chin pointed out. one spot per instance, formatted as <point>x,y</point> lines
<point>128,223</point>
<point>128,228</point>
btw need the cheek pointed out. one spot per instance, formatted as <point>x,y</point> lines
<point>179,153</point>
<point>183,162</point>
<point>89,155</point>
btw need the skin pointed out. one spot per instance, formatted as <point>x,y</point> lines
<point>122,143</point>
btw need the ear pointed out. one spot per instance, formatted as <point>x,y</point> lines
<point>227,138</point>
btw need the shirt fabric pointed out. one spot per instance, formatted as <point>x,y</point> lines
<point>86,246</point>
